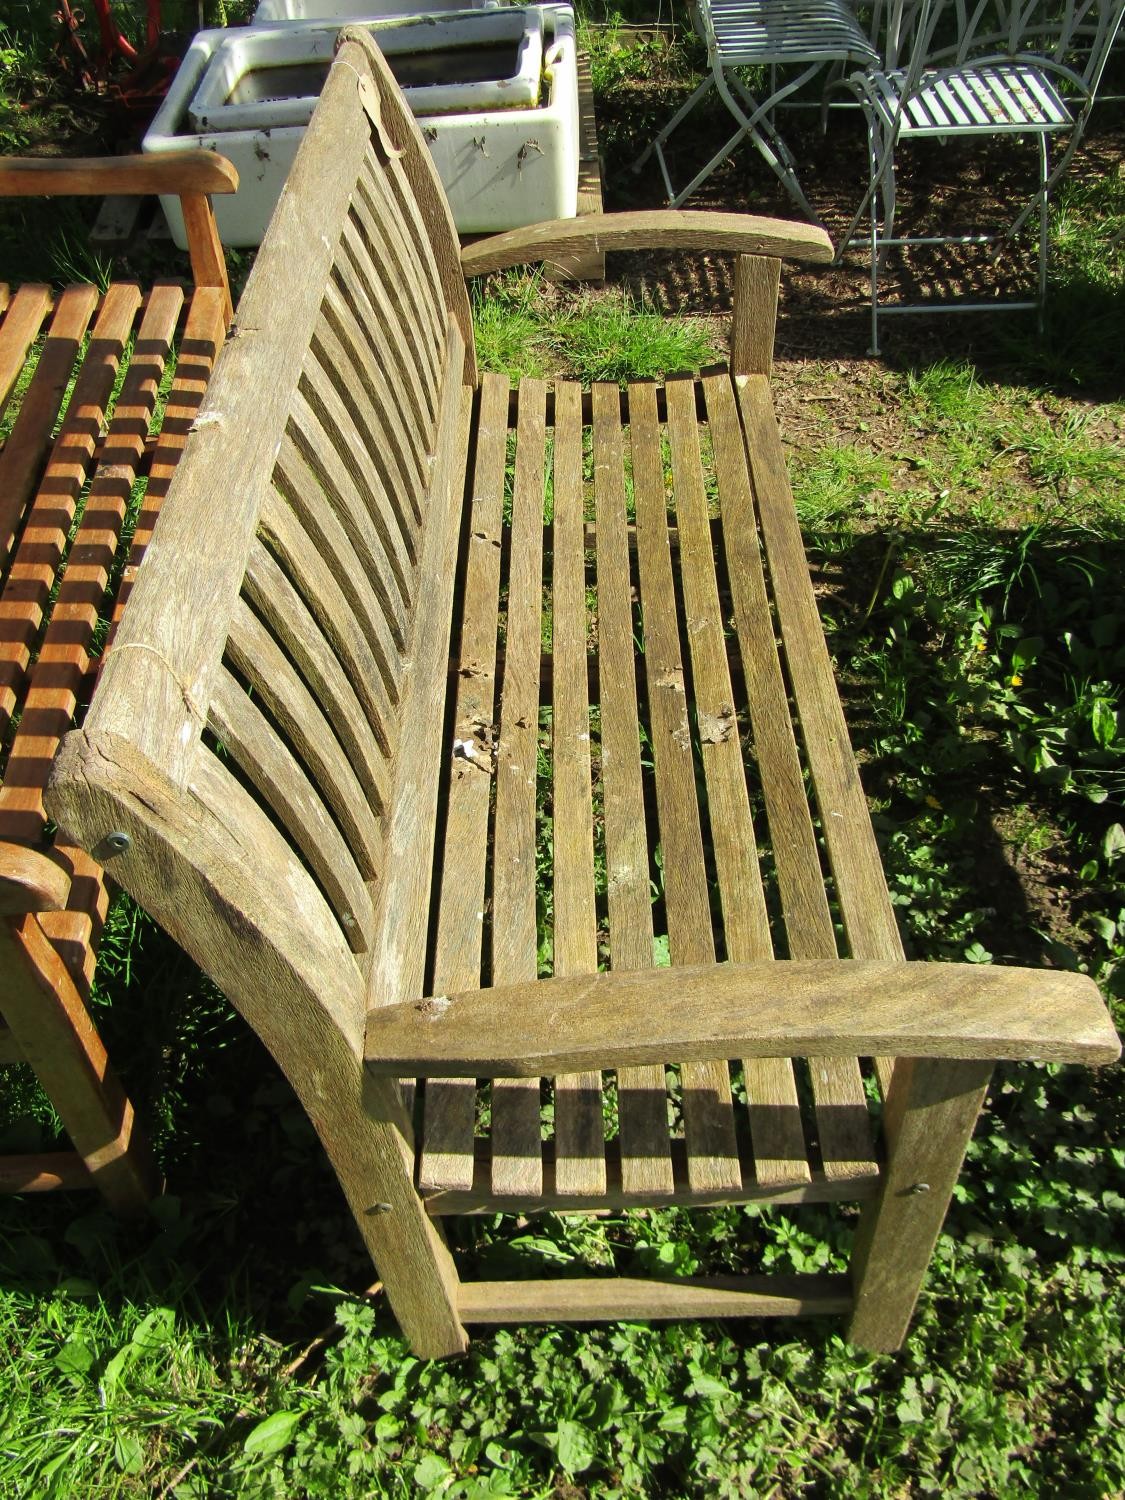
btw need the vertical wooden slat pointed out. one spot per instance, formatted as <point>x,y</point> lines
<point>780,1154</point>
<point>579,1133</point>
<point>296,802</point>
<point>422,313</point>
<point>754,315</point>
<point>646,1164</point>
<point>278,687</point>
<point>384,451</point>
<point>22,318</point>
<point>713,1161</point>
<point>289,617</point>
<point>398,969</point>
<point>30,438</point>
<point>517,1163</point>
<point>300,492</point>
<point>402,441</point>
<point>446,1158</point>
<point>199,346</point>
<point>330,444</point>
<point>41,547</point>
<point>861,887</point>
<point>779,1149</point>
<point>331,596</point>
<point>361,275</point>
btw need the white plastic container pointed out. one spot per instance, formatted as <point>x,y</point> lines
<point>501,167</point>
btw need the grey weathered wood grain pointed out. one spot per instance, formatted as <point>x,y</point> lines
<point>579,1132</point>
<point>708,1116</point>
<point>642,1093</point>
<point>516,1152</point>
<point>446,1158</point>
<point>804,1009</point>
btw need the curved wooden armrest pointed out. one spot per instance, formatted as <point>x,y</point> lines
<point>660,229</point>
<point>84,176</point>
<point>841,1008</point>
<point>29,881</point>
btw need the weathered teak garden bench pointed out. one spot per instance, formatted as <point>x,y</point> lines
<point>81,374</point>
<point>424,685</point>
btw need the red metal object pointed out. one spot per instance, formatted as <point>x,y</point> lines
<point>148,71</point>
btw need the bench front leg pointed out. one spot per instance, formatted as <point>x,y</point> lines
<point>930,1114</point>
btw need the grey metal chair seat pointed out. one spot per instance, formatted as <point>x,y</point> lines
<point>1008,68</point>
<point>1017,98</point>
<point>801,38</point>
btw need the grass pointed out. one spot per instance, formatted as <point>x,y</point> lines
<point>234,1346</point>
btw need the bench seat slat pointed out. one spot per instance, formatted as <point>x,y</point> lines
<point>646,1166</point>
<point>708,1116</point>
<point>446,1155</point>
<point>857,873</point>
<point>29,441</point>
<point>42,545</point>
<point>579,1133</point>
<point>771,1088</point>
<point>20,321</point>
<point>516,1160</point>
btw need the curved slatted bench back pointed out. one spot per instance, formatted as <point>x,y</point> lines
<point>245,734</point>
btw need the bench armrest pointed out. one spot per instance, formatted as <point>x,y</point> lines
<point>92,176</point>
<point>659,229</point>
<point>842,1008</point>
<point>191,175</point>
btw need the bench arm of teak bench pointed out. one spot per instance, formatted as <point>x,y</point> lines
<point>758,244</point>
<point>192,176</point>
<point>649,229</point>
<point>818,1008</point>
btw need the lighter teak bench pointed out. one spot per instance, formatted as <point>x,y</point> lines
<point>92,410</point>
<point>425,685</point>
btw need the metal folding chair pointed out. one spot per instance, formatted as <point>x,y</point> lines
<point>1025,68</point>
<point>797,36</point>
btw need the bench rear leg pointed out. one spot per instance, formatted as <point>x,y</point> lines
<point>930,1113</point>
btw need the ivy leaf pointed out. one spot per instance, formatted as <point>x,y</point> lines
<point>272,1434</point>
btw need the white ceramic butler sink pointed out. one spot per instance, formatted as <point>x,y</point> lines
<point>494,91</point>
